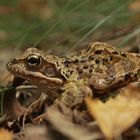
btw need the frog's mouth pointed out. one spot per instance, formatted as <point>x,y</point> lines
<point>39,79</point>
<point>34,77</point>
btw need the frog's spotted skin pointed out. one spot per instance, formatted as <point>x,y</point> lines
<point>97,70</point>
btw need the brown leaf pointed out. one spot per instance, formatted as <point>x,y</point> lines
<point>5,135</point>
<point>118,114</point>
<point>33,132</point>
<point>62,123</point>
<point>135,5</point>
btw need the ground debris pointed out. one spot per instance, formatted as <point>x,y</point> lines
<point>116,118</point>
<point>66,126</point>
<point>117,114</point>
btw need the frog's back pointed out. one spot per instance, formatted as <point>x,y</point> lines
<point>104,67</point>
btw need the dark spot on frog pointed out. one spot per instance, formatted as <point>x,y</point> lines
<point>127,77</point>
<point>111,58</point>
<point>123,55</point>
<point>104,60</point>
<point>97,61</point>
<point>76,61</point>
<point>80,70</point>
<point>67,62</point>
<point>136,75</point>
<point>120,81</point>
<point>86,66</point>
<point>91,57</point>
<point>67,75</point>
<point>90,70</point>
<point>71,71</point>
<point>98,51</point>
<point>115,52</point>
<point>91,66</point>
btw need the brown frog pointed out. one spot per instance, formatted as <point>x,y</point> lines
<point>95,71</point>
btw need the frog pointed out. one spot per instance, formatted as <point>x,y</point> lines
<point>94,72</point>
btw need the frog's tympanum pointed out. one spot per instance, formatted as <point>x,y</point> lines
<point>95,71</point>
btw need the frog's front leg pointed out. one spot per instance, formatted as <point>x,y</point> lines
<point>74,94</point>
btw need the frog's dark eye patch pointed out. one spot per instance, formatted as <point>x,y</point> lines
<point>34,61</point>
<point>50,72</point>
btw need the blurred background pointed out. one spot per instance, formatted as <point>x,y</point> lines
<point>64,26</point>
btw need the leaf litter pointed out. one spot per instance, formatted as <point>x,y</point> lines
<point>117,114</point>
<point>116,118</point>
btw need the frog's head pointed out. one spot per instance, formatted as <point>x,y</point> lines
<point>38,67</point>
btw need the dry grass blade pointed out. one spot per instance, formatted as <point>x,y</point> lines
<point>35,105</point>
<point>118,114</point>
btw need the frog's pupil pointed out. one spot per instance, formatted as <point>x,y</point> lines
<point>33,60</point>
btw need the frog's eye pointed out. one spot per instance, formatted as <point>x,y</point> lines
<point>34,61</point>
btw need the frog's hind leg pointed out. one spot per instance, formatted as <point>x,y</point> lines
<point>105,82</point>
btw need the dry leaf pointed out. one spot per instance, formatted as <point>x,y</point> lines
<point>134,8</point>
<point>33,132</point>
<point>64,124</point>
<point>135,5</point>
<point>118,114</point>
<point>5,135</point>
